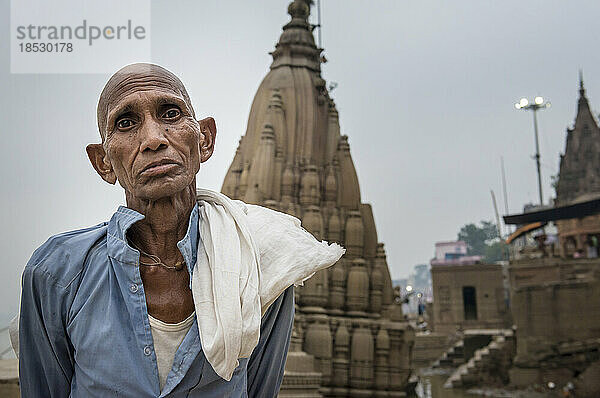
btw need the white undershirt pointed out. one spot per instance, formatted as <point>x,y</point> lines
<point>167,339</point>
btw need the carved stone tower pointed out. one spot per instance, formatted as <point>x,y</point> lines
<point>579,179</point>
<point>580,166</point>
<point>294,159</point>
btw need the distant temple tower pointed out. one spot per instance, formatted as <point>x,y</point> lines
<point>580,166</point>
<point>293,159</point>
<point>579,180</point>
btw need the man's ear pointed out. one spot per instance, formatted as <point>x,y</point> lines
<point>104,169</point>
<point>208,127</point>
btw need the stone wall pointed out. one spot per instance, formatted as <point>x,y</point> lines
<point>574,234</point>
<point>557,321</point>
<point>9,378</point>
<point>448,307</point>
<point>429,347</point>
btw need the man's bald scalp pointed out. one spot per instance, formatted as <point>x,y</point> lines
<point>139,74</point>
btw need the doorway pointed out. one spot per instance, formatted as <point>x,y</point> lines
<point>470,303</point>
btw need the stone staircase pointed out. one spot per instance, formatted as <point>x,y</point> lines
<point>452,358</point>
<point>488,365</point>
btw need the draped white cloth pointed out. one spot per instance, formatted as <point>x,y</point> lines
<point>247,257</point>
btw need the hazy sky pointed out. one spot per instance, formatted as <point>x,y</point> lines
<point>426,93</point>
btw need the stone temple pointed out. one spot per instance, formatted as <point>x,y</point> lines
<point>579,181</point>
<point>579,166</point>
<point>350,336</point>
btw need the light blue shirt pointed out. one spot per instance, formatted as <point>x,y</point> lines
<point>84,329</point>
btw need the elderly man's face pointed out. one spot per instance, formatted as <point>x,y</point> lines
<point>153,144</point>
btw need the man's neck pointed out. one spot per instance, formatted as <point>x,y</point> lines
<point>165,223</point>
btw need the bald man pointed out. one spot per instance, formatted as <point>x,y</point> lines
<point>108,310</point>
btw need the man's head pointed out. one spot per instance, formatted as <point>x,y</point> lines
<point>151,141</point>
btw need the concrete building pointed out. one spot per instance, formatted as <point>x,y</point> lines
<point>294,159</point>
<point>445,251</point>
<point>453,253</point>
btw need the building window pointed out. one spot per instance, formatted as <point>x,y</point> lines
<point>470,303</point>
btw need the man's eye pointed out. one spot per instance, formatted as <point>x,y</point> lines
<point>125,124</point>
<point>171,113</point>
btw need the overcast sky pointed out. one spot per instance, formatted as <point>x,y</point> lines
<point>425,94</point>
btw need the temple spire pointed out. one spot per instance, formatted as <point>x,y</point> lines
<point>578,167</point>
<point>293,159</point>
<point>583,107</point>
<point>296,46</point>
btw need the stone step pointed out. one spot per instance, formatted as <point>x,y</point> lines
<point>471,365</point>
<point>452,358</point>
<point>455,379</point>
<point>474,370</point>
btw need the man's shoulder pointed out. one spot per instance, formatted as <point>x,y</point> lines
<point>63,255</point>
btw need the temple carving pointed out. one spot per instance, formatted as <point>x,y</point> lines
<point>348,326</point>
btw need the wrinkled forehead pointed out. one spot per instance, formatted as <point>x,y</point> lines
<point>137,78</point>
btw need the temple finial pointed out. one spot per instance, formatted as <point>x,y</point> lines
<point>300,9</point>
<point>296,45</point>
<point>581,87</point>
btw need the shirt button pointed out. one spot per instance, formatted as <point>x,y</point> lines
<point>147,350</point>
<point>133,288</point>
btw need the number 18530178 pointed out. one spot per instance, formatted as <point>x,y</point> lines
<point>45,47</point>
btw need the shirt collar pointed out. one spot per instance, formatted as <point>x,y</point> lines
<point>188,246</point>
<point>124,218</point>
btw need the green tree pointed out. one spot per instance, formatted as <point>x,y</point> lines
<point>477,237</point>
<point>483,240</point>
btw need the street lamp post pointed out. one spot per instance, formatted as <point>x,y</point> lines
<point>537,104</point>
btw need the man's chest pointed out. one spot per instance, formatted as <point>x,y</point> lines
<point>167,293</point>
<point>113,347</point>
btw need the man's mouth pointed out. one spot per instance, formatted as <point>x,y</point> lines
<point>158,167</point>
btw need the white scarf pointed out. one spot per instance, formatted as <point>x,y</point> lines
<point>248,256</point>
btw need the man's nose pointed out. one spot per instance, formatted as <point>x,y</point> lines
<point>152,136</point>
